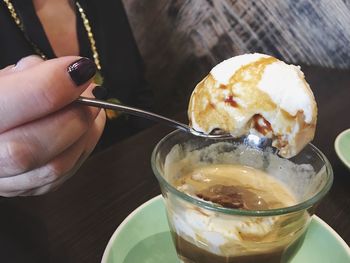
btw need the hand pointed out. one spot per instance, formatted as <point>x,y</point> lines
<point>44,137</point>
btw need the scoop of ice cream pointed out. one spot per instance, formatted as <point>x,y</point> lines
<point>256,93</point>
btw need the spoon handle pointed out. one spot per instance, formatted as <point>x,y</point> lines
<point>132,111</point>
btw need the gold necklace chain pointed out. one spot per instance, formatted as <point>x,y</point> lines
<point>19,23</point>
<point>90,35</point>
<point>86,24</point>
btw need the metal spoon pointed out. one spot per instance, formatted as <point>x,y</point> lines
<point>148,115</point>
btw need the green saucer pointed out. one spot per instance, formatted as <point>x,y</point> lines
<point>144,237</point>
<point>342,147</point>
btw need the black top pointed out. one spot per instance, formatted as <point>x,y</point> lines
<point>121,63</point>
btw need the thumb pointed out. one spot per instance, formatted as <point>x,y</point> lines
<point>27,62</point>
<point>44,88</point>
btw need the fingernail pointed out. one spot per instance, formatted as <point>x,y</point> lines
<point>100,92</point>
<point>82,70</point>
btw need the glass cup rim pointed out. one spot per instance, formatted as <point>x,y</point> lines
<point>232,211</point>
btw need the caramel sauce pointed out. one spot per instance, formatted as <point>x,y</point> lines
<point>206,110</point>
<point>288,116</point>
<point>243,84</point>
<point>212,105</point>
<point>231,101</point>
<point>261,124</point>
<point>247,79</point>
<point>280,142</point>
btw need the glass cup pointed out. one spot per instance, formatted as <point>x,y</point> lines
<point>204,232</point>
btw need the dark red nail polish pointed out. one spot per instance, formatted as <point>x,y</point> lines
<point>81,70</point>
<point>100,92</point>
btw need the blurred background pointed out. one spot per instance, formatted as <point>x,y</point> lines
<point>181,40</point>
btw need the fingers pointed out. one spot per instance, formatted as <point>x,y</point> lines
<point>91,141</point>
<point>7,70</point>
<point>22,64</point>
<point>27,62</point>
<point>59,169</point>
<point>34,91</point>
<point>45,175</point>
<point>43,135</point>
<point>95,132</point>
<point>31,145</point>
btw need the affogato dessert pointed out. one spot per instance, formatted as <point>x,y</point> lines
<point>252,94</point>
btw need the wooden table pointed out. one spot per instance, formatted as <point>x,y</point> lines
<point>75,223</point>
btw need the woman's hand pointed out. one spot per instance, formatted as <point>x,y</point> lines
<point>44,137</point>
